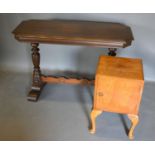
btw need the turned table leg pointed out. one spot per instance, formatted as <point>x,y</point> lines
<point>37,84</point>
<point>134,121</point>
<point>112,52</point>
<point>93,116</point>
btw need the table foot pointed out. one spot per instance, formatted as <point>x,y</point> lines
<point>35,93</point>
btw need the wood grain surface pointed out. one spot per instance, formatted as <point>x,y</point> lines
<point>104,34</point>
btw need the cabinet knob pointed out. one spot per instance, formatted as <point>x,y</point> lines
<point>100,94</point>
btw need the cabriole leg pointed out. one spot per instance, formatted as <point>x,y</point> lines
<point>93,116</point>
<point>134,121</point>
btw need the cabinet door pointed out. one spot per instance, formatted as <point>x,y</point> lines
<point>117,95</point>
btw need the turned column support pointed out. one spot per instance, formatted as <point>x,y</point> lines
<point>112,51</point>
<point>37,83</point>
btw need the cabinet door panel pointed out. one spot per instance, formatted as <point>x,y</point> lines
<point>117,95</point>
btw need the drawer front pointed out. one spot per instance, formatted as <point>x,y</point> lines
<point>117,95</point>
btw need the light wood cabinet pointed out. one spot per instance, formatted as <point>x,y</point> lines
<point>118,88</point>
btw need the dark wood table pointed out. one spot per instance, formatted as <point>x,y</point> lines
<point>89,33</point>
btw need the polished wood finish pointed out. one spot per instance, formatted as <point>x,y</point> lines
<point>103,34</point>
<point>36,62</point>
<point>118,87</point>
<point>37,83</point>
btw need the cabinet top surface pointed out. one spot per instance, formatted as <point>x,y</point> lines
<point>104,34</point>
<point>128,68</point>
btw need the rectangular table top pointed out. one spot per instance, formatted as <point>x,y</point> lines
<point>103,34</point>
